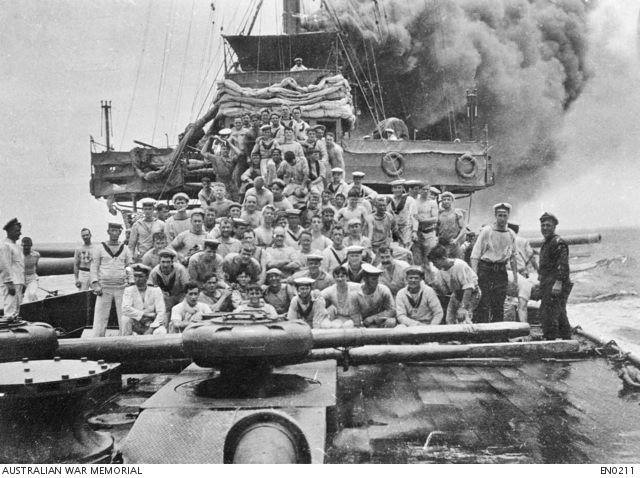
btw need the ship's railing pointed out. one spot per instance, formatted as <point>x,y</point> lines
<point>263,79</point>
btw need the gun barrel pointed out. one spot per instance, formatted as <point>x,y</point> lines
<point>327,338</point>
<point>419,353</point>
<point>124,349</point>
<point>572,240</point>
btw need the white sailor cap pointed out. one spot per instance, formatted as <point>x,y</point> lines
<point>265,127</point>
<point>147,201</point>
<point>434,190</point>
<point>274,271</point>
<point>354,250</point>
<point>503,206</point>
<point>303,281</point>
<point>111,225</point>
<point>224,132</point>
<point>337,170</point>
<point>354,220</point>
<point>197,211</point>
<point>369,269</point>
<point>397,182</point>
<point>314,257</point>
<point>447,194</point>
<point>357,174</point>
<point>297,59</point>
<point>180,195</point>
<point>413,182</point>
<point>414,270</point>
<point>293,212</point>
<point>141,268</point>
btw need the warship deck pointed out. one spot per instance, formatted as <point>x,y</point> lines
<point>487,411</point>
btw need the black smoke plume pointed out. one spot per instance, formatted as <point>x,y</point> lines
<point>525,57</point>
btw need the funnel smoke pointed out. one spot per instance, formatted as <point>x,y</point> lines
<point>526,58</point>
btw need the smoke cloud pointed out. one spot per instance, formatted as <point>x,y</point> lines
<point>527,58</point>
<point>594,182</point>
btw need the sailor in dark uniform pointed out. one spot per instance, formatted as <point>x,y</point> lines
<point>555,284</point>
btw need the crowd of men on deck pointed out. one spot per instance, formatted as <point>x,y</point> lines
<point>305,244</point>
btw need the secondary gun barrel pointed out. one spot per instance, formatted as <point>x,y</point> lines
<point>419,353</point>
<point>49,266</point>
<point>575,240</point>
<point>327,338</point>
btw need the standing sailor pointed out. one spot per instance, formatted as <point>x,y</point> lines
<point>141,238</point>
<point>109,278</point>
<point>179,222</point>
<point>30,258</point>
<point>403,208</point>
<point>427,215</point>
<point>451,226</point>
<point>496,245</point>
<point>82,261</point>
<point>555,284</point>
<point>12,269</point>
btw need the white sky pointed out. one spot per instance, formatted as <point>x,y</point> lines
<point>61,58</point>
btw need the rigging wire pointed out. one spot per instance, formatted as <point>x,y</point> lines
<point>375,68</point>
<point>176,109</point>
<point>135,85</point>
<point>201,79</point>
<point>244,22</point>
<point>163,69</point>
<point>202,62</point>
<point>449,103</point>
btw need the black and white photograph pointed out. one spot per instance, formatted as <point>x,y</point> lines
<point>399,232</point>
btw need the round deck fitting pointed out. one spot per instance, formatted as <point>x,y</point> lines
<point>50,377</point>
<point>42,412</point>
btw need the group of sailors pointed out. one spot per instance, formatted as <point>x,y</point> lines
<point>399,266</point>
<point>302,243</point>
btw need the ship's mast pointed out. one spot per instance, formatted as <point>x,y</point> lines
<point>106,111</point>
<point>472,110</point>
<point>290,17</point>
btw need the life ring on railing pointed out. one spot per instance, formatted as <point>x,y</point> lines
<point>467,166</point>
<point>393,164</point>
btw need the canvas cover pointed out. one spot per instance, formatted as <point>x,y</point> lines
<point>330,98</point>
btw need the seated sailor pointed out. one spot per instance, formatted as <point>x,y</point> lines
<point>374,302</point>
<point>307,305</point>
<point>189,310</point>
<point>256,304</point>
<point>417,303</point>
<point>143,309</point>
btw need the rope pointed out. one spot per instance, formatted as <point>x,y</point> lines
<point>135,85</point>
<point>176,109</point>
<point>162,68</point>
<point>206,46</point>
<point>452,126</point>
<point>375,68</point>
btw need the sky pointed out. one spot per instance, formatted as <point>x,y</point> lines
<point>156,62</point>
